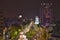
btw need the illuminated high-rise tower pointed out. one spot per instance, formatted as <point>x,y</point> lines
<point>46,13</point>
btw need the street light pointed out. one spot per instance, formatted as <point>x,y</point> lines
<point>20,16</point>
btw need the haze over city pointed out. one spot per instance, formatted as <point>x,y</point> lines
<point>29,19</point>
<point>28,8</point>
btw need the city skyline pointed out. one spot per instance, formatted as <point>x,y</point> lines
<point>28,8</point>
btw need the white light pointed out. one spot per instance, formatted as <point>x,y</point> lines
<point>36,20</point>
<point>20,16</point>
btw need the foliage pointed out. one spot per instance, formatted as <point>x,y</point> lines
<point>31,33</point>
<point>14,31</point>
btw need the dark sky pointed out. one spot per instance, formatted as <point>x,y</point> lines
<point>12,8</point>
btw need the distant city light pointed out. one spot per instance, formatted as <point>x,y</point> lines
<point>36,20</point>
<point>20,16</point>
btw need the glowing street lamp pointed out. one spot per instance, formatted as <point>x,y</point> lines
<point>20,16</point>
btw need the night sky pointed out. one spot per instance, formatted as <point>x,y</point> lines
<point>28,8</point>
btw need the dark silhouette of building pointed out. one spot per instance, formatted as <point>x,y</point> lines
<point>1,23</point>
